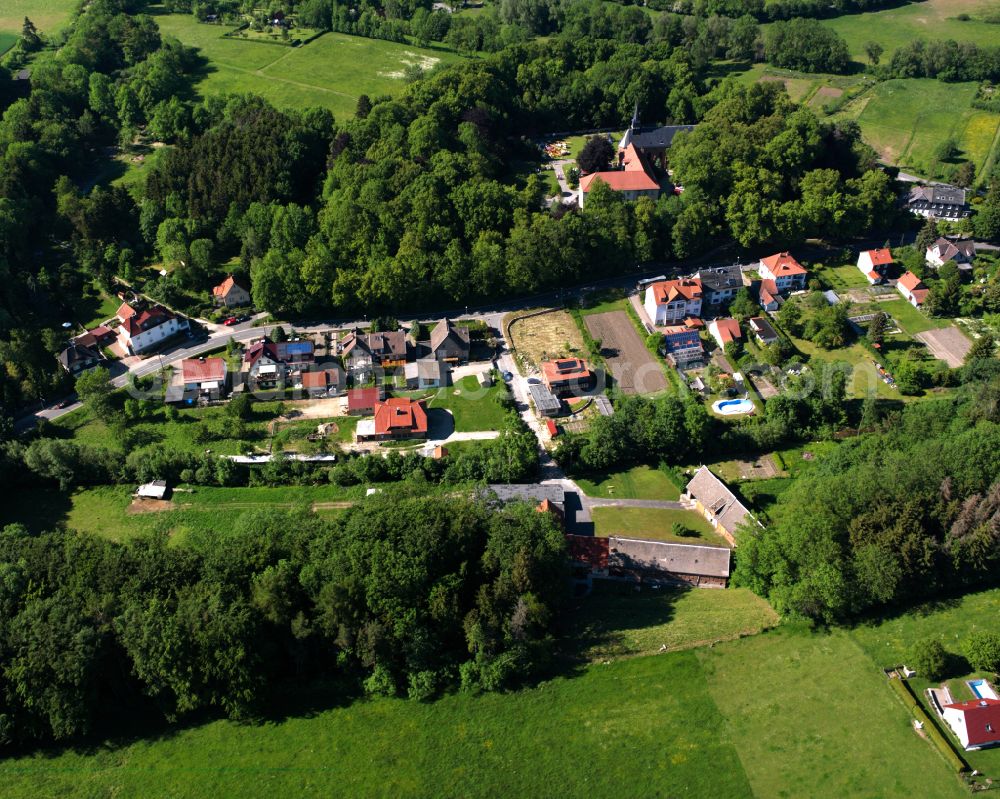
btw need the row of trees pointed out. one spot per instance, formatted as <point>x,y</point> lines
<point>889,517</point>
<point>405,595</point>
<point>944,59</point>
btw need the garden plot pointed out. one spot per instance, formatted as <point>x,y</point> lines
<point>629,362</point>
<point>544,336</point>
<point>949,344</point>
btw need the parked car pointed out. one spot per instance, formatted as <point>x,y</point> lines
<point>64,404</point>
<point>232,320</point>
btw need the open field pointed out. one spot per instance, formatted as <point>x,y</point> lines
<point>472,406</point>
<point>949,344</point>
<point>7,40</point>
<point>331,71</point>
<point>48,15</point>
<point>543,337</point>
<point>910,320</point>
<point>654,524</point>
<point>811,715</point>
<point>841,278</point>
<point>633,367</point>
<point>804,87</point>
<point>639,482</point>
<point>863,377</point>
<point>905,121</point>
<point>929,19</point>
<point>614,620</point>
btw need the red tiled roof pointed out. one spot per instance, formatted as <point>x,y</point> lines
<point>196,370</point>
<point>400,414</point>
<point>548,506</point>
<point>125,311</point>
<point>226,286</point>
<point>693,321</point>
<point>729,330</point>
<point>982,720</point>
<point>588,549</point>
<point>669,290</point>
<point>360,398</point>
<point>910,281</point>
<point>564,369</point>
<point>880,257</point>
<point>320,379</point>
<point>874,275</point>
<point>621,180</point>
<point>782,263</point>
<point>150,318</point>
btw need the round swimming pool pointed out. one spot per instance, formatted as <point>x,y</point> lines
<point>733,407</point>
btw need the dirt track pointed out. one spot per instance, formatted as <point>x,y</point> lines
<point>949,344</point>
<point>630,363</point>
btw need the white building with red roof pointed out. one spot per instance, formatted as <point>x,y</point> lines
<point>976,723</point>
<point>787,273</point>
<point>636,178</point>
<point>397,417</point>
<point>671,301</point>
<point>875,264</point>
<point>913,289</point>
<point>231,293</point>
<point>204,374</point>
<point>725,331</point>
<point>143,330</point>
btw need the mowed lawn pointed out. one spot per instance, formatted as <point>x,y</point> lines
<point>929,19</point>
<point>911,320</point>
<point>331,71</point>
<point>654,524</point>
<point>639,482</point>
<point>472,406</point>
<point>48,15</point>
<point>646,723</point>
<point>811,715</point>
<point>905,121</point>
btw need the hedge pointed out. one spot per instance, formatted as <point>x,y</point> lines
<point>902,688</point>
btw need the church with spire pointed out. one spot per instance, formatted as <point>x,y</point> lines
<point>650,141</point>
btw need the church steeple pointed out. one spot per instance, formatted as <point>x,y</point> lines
<point>635,117</point>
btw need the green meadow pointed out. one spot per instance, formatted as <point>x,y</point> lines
<point>48,15</point>
<point>331,71</point>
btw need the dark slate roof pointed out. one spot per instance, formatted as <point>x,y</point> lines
<point>721,278</point>
<point>529,492</point>
<point>659,556</point>
<point>655,138</point>
<point>722,503</point>
<point>77,353</point>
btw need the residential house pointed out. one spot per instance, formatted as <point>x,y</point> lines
<point>768,296</point>
<point>231,292</point>
<point>875,264</point>
<point>683,345</point>
<point>720,284</point>
<point>717,503</point>
<point>449,342</point>
<point>396,418</point>
<point>546,403</point>
<point>690,564</point>
<point>762,330</point>
<point>328,382</point>
<point>204,376</point>
<point>79,358</point>
<point>635,179</point>
<point>143,329</point>
<point>669,302</point>
<point>567,376</point>
<point>938,202</point>
<point>725,331</point>
<point>267,363</point>
<point>960,252</point>
<point>362,401</point>
<point>427,373</point>
<point>651,141</point>
<point>913,289</point>
<point>96,337</point>
<point>976,723</point>
<point>787,273</point>
<point>363,352</point>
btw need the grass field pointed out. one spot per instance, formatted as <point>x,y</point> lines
<point>331,71</point>
<point>615,621</point>
<point>911,320</point>
<point>639,482</point>
<point>543,337</point>
<point>472,406</point>
<point>905,120</point>
<point>863,377</point>
<point>7,40</point>
<point>929,19</point>
<point>654,524</point>
<point>48,15</point>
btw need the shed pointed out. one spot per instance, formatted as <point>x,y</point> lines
<point>546,403</point>
<point>157,489</point>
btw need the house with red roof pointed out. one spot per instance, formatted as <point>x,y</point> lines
<point>567,376</point>
<point>231,293</point>
<point>875,265</point>
<point>635,179</point>
<point>913,289</point>
<point>361,401</point>
<point>396,418</point>
<point>768,295</point>
<point>787,273</point>
<point>268,363</point>
<point>144,329</point>
<point>96,337</point>
<point>588,553</point>
<point>725,331</point>
<point>976,723</point>
<point>670,302</point>
<point>323,382</point>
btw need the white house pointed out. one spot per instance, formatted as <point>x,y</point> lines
<point>141,331</point>
<point>725,331</point>
<point>787,273</point>
<point>913,289</point>
<point>874,264</point>
<point>976,723</point>
<point>938,202</point>
<point>670,301</point>
<point>960,252</point>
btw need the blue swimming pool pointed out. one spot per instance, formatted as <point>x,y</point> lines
<point>982,689</point>
<point>733,407</point>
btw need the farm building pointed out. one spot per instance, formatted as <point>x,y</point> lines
<point>717,503</point>
<point>700,566</point>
